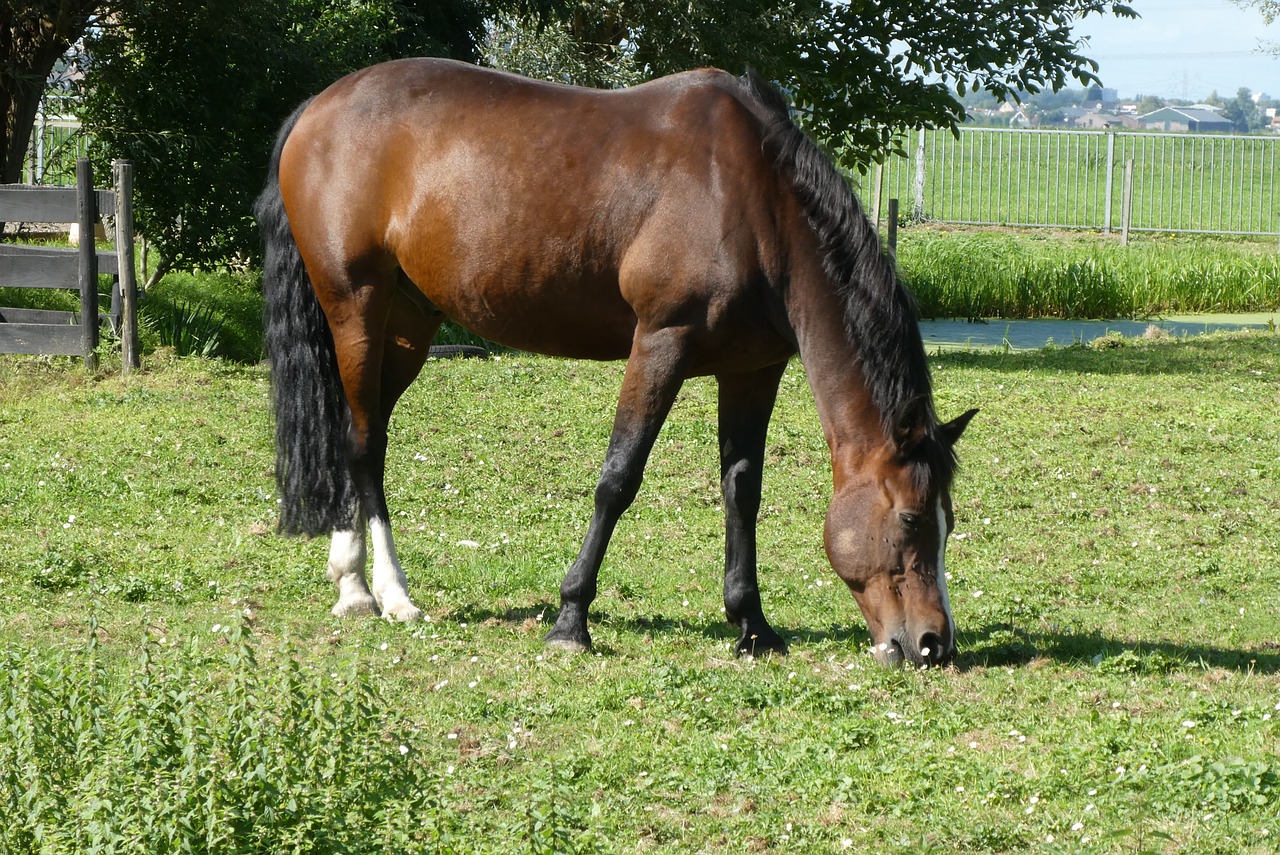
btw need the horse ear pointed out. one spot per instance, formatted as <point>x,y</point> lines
<point>952,429</point>
<point>909,428</point>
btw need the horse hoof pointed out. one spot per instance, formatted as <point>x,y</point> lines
<point>403,612</point>
<point>569,645</point>
<point>565,641</point>
<point>355,607</point>
<point>760,644</point>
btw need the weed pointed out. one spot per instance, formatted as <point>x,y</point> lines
<point>190,329</point>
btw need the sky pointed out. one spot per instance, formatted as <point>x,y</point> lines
<point>1183,49</point>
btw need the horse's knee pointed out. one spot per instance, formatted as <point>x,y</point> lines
<point>740,486</point>
<point>618,487</point>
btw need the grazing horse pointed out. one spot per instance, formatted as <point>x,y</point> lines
<point>685,225</point>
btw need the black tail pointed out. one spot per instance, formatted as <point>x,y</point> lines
<point>316,491</point>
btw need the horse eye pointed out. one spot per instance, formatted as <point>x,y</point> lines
<point>909,520</point>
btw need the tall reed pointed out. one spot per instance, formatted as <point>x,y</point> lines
<point>1012,275</point>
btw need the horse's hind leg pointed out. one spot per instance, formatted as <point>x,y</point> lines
<point>746,402</point>
<point>410,328</point>
<point>381,346</point>
<point>347,556</point>
<point>648,390</point>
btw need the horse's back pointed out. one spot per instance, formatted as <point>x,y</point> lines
<point>547,217</point>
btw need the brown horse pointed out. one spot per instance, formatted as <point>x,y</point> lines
<point>685,225</point>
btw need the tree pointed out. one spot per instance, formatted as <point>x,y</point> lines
<point>1241,111</point>
<point>860,71</point>
<point>1149,104</point>
<point>194,91</point>
<point>33,37</point>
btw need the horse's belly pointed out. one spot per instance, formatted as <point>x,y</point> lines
<point>589,321</point>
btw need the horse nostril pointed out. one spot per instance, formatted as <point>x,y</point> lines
<point>932,647</point>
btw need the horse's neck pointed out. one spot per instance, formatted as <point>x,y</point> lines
<point>849,415</point>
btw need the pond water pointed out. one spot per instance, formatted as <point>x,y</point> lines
<point>993,333</point>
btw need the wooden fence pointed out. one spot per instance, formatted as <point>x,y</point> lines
<point>62,332</point>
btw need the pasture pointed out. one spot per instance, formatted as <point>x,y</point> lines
<point>171,680</point>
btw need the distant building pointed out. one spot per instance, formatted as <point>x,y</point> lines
<point>1014,114</point>
<point>1194,120</point>
<point>1103,121</point>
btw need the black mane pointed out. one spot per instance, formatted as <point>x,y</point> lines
<point>879,313</point>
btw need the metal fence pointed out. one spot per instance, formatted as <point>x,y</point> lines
<point>56,143</point>
<point>1106,180</point>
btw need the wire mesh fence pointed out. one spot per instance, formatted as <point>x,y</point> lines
<point>1077,180</point>
<point>57,141</point>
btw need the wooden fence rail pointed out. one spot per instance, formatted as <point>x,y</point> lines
<point>62,332</point>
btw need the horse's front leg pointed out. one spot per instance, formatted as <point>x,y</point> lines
<point>648,390</point>
<point>746,402</point>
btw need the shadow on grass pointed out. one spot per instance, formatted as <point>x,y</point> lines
<point>1226,354</point>
<point>999,645</point>
<point>990,646</point>
<point>715,630</point>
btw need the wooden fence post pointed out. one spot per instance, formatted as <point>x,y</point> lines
<point>124,266</point>
<point>87,210</point>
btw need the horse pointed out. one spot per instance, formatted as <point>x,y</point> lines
<point>686,225</point>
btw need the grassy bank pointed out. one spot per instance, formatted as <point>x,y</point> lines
<point>169,670</point>
<point>1005,274</point>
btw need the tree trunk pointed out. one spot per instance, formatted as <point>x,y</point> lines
<point>32,38</point>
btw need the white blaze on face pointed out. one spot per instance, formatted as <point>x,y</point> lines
<point>942,572</point>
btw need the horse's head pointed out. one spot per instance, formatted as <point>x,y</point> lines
<point>886,536</point>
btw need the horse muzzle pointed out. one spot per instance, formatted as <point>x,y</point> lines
<point>925,650</point>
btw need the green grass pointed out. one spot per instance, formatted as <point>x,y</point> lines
<point>172,680</point>
<point>976,274</point>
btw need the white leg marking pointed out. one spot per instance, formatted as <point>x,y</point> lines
<point>942,573</point>
<point>389,583</point>
<point>346,570</point>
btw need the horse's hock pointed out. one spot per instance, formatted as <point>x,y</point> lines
<point>47,331</point>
